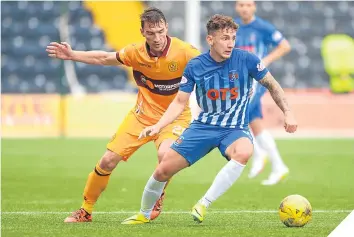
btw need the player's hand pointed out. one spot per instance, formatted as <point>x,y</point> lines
<point>149,131</point>
<point>290,124</point>
<point>61,51</point>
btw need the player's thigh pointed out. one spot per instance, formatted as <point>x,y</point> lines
<point>171,164</point>
<point>125,141</point>
<point>237,145</point>
<point>168,135</point>
<point>196,141</point>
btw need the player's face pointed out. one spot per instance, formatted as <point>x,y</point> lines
<point>155,35</point>
<point>222,43</point>
<point>246,9</point>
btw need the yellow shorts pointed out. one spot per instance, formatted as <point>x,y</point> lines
<point>125,141</point>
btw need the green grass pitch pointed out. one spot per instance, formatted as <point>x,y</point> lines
<point>43,181</point>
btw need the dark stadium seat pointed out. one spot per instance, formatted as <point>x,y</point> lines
<point>28,27</point>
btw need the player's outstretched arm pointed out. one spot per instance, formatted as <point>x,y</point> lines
<point>278,96</point>
<point>174,110</point>
<point>63,51</point>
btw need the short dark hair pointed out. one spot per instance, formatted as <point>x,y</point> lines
<point>220,22</point>
<point>152,15</point>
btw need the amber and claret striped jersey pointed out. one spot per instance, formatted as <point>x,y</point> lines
<point>158,78</point>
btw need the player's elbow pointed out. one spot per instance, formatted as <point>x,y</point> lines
<point>181,99</point>
<point>107,59</point>
<point>286,46</point>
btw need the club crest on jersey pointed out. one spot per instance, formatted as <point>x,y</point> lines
<point>179,141</point>
<point>233,75</point>
<point>173,66</point>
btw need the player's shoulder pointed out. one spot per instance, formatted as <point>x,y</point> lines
<point>178,43</point>
<point>240,53</point>
<point>263,24</point>
<point>198,60</point>
<point>134,47</point>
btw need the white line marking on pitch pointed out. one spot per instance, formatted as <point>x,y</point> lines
<point>166,212</point>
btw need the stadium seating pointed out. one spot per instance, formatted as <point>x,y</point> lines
<point>27,27</point>
<point>303,67</point>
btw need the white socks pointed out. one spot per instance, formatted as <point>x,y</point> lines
<point>267,143</point>
<point>223,181</point>
<point>152,193</point>
<point>258,153</point>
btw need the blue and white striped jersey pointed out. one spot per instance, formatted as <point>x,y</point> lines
<point>222,88</point>
<point>257,37</point>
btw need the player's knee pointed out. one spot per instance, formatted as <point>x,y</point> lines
<point>241,152</point>
<point>109,160</point>
<point>241,156</point>
<point>162,173</point>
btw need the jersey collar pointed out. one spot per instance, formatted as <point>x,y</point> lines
<point>165,50</point>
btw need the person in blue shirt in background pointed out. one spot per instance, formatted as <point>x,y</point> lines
<point>263,39</point>
<point>222,77</point>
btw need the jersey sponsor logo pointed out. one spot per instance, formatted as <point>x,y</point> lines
<point>144,65</point>
<point>161,87</point>
<point>173,66</point>
<point>233,75</point>
<point>215,94</point>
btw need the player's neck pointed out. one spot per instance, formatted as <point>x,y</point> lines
<point>159,53</point>
<point>248,21</point>
<point>216,57</point>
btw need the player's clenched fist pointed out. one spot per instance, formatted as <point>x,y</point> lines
<point>61,51</point>
<point>149,131</point>
<point>290,123</point>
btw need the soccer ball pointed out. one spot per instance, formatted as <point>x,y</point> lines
<point>295,211</point>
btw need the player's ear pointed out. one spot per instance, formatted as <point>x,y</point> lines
<point>209,39</point>
<point>142,31</point>
<point>166,27</point>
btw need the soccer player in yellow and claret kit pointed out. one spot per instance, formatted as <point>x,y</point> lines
<point>158,65</point>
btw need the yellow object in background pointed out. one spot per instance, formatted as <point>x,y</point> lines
<point>96,115</point>
<point>30,115</point>
<point>119,22</point>
<point>338,58</point>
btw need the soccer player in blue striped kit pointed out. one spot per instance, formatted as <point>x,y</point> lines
<point>223,77</point>
<point>263,39</point>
